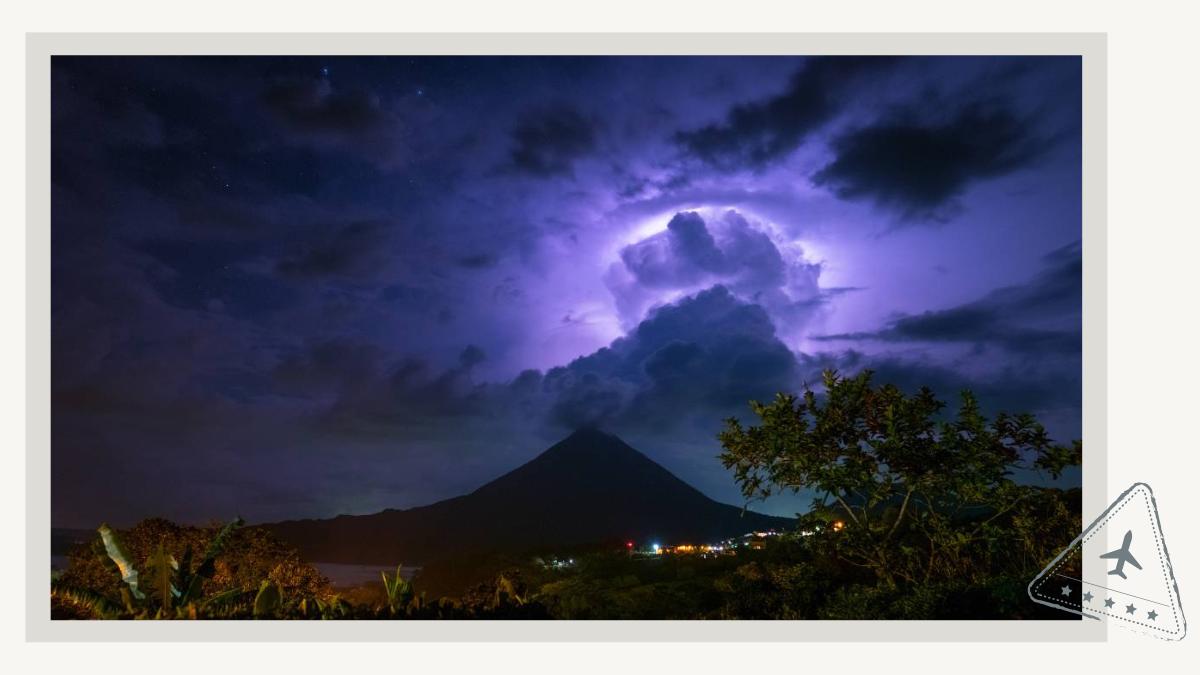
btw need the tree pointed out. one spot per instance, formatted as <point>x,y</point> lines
<point>901,490</point>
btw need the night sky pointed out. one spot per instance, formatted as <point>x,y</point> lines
<point>298,287</point>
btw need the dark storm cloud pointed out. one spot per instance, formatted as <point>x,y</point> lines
<point>588,400</point>
<point>352,249</point>
<point>697,359</point>
<point>477,260</point>
<point>1041,316</point>
<point>970,324</point>
<point>757,133</point>
<point>212,276</point>
<point>328,366</point>
<point>471,356</point>
<point>980,325</point>
<point>314,105</point>
<point>363,388</point>
<point>694,359</point>
<point>356,124</point>
<point>918,168</point>
<point>548,142</point>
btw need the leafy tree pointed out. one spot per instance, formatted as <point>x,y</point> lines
<point>911,495</point>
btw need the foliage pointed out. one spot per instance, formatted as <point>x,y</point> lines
<point>615,586</point>
<point>267,601</point>
<point>911,497</point>
<point>190,582</point>
<point>81,603</point>
<point>399,591</point>
<point>244,572</point>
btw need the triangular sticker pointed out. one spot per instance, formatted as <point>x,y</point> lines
<point>1118,570</point>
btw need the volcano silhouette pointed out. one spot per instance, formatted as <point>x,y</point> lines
<point>591,487</point>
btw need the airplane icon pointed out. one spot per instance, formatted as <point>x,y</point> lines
<point>1122,556</point>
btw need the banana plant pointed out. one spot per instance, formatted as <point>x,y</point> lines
<point>189,582</point>
<point>174,586</point>
<point>399,590</point>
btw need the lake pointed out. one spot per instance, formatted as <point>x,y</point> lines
<point>344,575</point>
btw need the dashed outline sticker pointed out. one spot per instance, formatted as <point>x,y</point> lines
<point>1035,586</point>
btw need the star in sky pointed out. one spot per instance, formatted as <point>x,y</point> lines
<point>1066,590</point>
<point>1108,602</point>
<point>1087,597</point>
<point>1130,609</point>
<point>1152,615</point>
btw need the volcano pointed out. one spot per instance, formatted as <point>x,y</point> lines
<point>589,488</point>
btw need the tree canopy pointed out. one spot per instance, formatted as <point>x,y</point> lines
<point>917,495</point>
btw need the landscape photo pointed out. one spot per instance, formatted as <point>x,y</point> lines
<point>563,337</point>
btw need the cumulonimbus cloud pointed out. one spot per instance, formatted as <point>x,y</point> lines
<point>696,252</point>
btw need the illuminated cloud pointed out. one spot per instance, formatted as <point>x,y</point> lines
<point>693,253</point>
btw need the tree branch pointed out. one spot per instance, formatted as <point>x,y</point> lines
<point>997,515</point>
<point>899,516</point>
<point>846,506</point>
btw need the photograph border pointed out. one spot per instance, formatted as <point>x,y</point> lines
<point>40,47</point>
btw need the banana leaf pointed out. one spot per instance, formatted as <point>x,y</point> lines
<point>91,602</point>
<point>161,567</point>
<point>224,598</point>
<point>207,567</point>
<point>268,601</point>
<point>117,553</point>
<point>183,574</point>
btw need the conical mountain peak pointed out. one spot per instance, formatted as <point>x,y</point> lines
<point>589,487</point>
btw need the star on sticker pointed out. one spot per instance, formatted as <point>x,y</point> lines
<point>1066,590</point>
<point>1108,602</point>
<point>1087,597</point>
<point>1130,609</point>
<point>1152,615</point>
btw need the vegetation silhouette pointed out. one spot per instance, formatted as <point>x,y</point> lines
<point>924,515</point>
<point>917,513</point>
